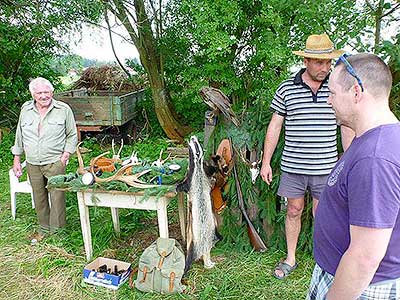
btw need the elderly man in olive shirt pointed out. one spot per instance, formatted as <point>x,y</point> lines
<point>47,135</point>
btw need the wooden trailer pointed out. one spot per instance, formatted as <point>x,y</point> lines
<point>99,110</point>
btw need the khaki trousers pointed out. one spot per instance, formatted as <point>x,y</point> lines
<point>50,217</point>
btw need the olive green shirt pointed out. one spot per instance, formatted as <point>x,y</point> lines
<point>57,133</point>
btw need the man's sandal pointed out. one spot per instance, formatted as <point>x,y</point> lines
<point>285,268</point>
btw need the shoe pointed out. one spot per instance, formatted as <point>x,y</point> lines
<point>285,268</point>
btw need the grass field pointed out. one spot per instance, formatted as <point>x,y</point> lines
<point>53,268</point>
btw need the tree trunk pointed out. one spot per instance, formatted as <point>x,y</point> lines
<point>165,113</point>
<point>146,44</point>
<point>378,24</point>
<point>395,70</point>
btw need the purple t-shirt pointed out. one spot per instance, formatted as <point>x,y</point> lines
<point>363,189</point>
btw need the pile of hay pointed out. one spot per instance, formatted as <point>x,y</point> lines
<point>107,77</point>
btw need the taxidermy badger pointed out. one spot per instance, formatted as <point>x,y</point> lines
<point>201,226</point>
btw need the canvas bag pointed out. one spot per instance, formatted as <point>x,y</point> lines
<point>161,267</point>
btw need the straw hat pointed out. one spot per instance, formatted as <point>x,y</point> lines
<point>319,46</point>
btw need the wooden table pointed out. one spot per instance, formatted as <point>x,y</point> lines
<point>116,200</point>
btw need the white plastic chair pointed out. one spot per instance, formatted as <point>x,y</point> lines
<point>17,186</point>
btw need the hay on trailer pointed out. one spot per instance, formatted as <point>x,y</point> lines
<point>108,77</point>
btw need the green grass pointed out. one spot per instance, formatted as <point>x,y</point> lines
<point>53,268</point>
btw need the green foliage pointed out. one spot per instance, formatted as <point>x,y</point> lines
<point>5,149</point>
<point>242,46</point>
<point>31,35</point>
<point>146,119</point>
<point>21,59</point>
<point>245,49</point>
<point>391,52</point>
<point>65,63</point>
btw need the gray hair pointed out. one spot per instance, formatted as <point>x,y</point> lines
<point>39,80</point>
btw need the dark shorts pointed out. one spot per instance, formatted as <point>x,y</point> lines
<point>296,185</point>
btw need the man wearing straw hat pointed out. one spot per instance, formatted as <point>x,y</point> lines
<point>310,150</point>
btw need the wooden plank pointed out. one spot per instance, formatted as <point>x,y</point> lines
<point>86,128</point>
<point>90,110</point>
<point>72,93</point>
<point>115,192</point>
<point>103,108</point>
<point>128,104</point>
<point>178,152</point>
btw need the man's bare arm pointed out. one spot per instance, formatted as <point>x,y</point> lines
<point>17,168</point>
<point>270,142</point>
<point>360,262</point>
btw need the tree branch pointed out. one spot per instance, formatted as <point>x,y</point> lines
<point>112,44</point>
<point>155,18</point>
<point>120,12</point>
<point>370,5</point>
<point>390,11</point>
<point>114,32</point>
<point>129,12</point>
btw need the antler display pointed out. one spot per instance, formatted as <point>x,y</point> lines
<point>81,169</point>
<point>254,166</point>
<point>131,180</point>
<point>159,162</point>
<point>133,159</point>
<point>116,157</point>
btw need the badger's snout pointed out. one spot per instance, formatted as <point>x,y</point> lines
<point>196,147</point>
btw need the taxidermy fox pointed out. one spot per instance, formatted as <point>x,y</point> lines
<point>201,226</point>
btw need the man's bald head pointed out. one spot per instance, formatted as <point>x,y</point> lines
<point>373,72</point>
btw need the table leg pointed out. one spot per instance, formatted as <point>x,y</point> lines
<point>181,211</point>
<point>85,224</point>
<point>162,217</point>
<point>115,218</point>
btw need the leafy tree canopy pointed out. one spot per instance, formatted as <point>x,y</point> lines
<point>31,34</point>
<point>244,47</point>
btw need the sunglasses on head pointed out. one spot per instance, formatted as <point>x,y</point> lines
<point>350,69</point>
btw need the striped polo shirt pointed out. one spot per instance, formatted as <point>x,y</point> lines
<point>310,127</point>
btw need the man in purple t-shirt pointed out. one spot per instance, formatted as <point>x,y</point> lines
<point>357,223</point>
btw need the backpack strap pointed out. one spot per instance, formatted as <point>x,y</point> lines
<point>161,262</point>
<point>144,274</point>
<point>131,282</point>
<point>165,245</point>
<point>171,281</point>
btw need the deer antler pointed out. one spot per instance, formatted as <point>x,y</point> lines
<point>131,180</point>
<point>245,160</point>
<point>111,178</point>
<point>261,158</point>
<point>159,162</point>
<point>168,157</point>
<point>116,157</point>
<point>81,169</point>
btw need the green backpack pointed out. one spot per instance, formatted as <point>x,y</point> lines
<point>161,267</point>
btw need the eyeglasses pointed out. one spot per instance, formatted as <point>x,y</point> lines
<point>350,69</point>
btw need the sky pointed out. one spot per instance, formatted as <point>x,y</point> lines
<point>94,43</point>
